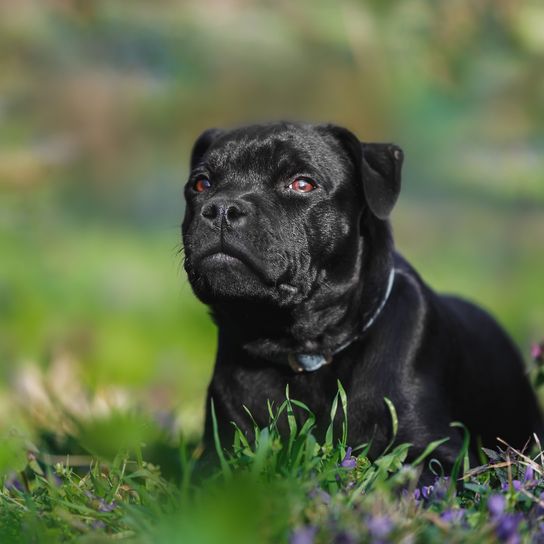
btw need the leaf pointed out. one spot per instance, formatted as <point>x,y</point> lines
<point>227,472</point>
<point>462,457</point>
<point>394,423</point>
<point>428,450</point>
<point>291,419</point>
<point>261,451</point>
<point>330,431</point>
<point>344,402</point>
<point>493,455</point>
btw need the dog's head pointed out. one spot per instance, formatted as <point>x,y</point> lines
<point>274,210</point>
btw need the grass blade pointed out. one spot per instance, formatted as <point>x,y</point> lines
<point>344,403</point>
<point>461,458</point>
<point>394,423</point>
<point>227,472</point>
<point>329,436</point>
<point>428,450</point>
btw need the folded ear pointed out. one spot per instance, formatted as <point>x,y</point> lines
<point>381,173</point>
<point>202,144</point>
<point>379,166</point>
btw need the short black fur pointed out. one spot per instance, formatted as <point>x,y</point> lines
<point>289,273</point>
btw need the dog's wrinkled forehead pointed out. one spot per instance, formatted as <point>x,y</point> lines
<point>331,155</point>
<point>277,150</point>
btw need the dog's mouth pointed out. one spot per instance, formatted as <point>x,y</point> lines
<point>232,255</point>
<point>221,257</point>
<point>228,269</point>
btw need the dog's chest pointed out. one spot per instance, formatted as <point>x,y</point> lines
<point>265,389</point>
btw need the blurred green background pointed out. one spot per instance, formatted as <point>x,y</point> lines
<point>100,102</point>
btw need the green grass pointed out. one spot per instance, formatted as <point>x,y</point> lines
<point>105,355</point>
<point>270,490</point>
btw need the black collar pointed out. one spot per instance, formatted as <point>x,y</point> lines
<point>306,362</point>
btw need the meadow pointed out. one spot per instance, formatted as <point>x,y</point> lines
<point>105,354</point>
<point>102,413</point>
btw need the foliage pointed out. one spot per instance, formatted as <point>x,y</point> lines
<point>103,349</point>
<point>274,490</point>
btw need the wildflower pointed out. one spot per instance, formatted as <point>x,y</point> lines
<point>452,515</point>
<point>540,505</point>
<point>440,488</point>
<point>427,491</point>
<point>13,483</point>
<point>344,537</point>
<point>505,524</point>
<point>379,528</point>
<point>55,480</point>
<point>506,528</point>
<point>537,352</point>
<point>516,486</point>
<point>303,535</point>
<point>320,495</point>
<point>348,461</point>
<point>496,505</point>
<point>529,477</point>
<point>104,506</point>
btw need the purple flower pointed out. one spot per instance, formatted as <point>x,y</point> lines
<point>537,352</point>
<point>379,527</point>
<point>516,486</point>
<point>506,525</point>
<point>320,495</point>
<point>529,476</point>
<point>496,505</point>
<point>344,537</point>
<point>55,480</point>
<point>348,461</point>
<point>303,535</point>
<point>452,515</point>
<point>540,505</point>
<point>97,524</point>
<point>104,506</point>
<point>13,483</point>
<point>440,488</point>
<point>427,491</point>
<point>506,528</point>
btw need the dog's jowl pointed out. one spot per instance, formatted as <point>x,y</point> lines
<point>287,240</point>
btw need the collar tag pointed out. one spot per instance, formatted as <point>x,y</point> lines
<point>304,362</point>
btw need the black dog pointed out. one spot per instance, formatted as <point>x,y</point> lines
<point>287,240</point>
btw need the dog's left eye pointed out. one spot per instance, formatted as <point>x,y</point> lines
<point>302,185</point>
<point>202,184</point>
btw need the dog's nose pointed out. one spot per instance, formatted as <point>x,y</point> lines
<point>229,212</point>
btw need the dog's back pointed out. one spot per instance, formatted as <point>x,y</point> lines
<point>492,394</point>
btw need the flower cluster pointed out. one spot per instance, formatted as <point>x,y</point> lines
<point>537,353</point>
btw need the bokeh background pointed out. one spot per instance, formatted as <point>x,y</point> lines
<point>100,102</point>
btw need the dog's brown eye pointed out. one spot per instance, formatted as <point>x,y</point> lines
<point>202,184</point>
<point>302,185</point>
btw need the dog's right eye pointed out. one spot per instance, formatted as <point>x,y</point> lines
<point>201,185</point>
<point>302,185</point>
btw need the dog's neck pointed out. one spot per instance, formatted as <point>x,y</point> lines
<point>328,320</point>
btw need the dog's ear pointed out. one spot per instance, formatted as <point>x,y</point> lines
<point>203,143</point>
<point>381,173</point>
<point>379,166</point>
